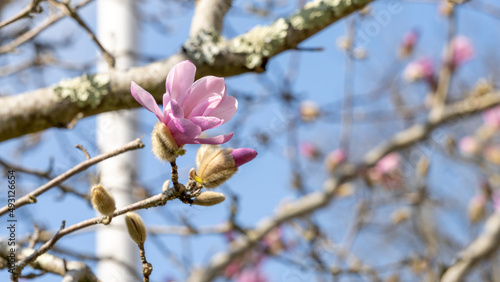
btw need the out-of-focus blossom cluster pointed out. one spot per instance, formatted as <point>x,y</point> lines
<point>248,267</point>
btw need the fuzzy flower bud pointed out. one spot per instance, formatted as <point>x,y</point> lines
<point>419,69</point>
<point>309,111</point>
<point>216,164</point>
<point>164,146</point>
<point>102,201</point>
<point>209,198</point>
<point>136,228</point>
<point>408,43</point>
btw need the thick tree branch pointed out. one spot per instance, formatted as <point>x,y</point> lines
<point>209,14</point>
<point>487,243</point>
<point>317,200</point>
<point>58,105</point>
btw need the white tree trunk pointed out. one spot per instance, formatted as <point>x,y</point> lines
<point>117,32</point>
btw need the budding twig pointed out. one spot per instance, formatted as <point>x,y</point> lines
<point>31,197</point>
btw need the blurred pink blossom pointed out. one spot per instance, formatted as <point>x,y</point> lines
<point>190,107</point>
<point>309,150</point>
<point>491,117</point>
<point>253,274</point>
<point>462,50</point>
<point>334,158</point>
<point>421,68</point>
<point>408,43</point>
<point>468,145</point>
<point>495,197</point>
<point>388,163</point>
<point>273,241</point>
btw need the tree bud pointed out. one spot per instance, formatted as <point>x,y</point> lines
<point>136,228</point>
<point>216,164</point>
<point>164,146</point>
<point>209,198</point>
<point>102,201</point>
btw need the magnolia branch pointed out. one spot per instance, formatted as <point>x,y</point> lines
<point>317,200</point>
<point>69,270</point>
<point>484,245</point>
<point>30,198</point>
<point>59,105</point>
<point>154,201</point>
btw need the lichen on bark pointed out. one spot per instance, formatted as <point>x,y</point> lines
<point>84,91</point>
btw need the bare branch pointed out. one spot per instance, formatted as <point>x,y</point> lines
<point>31,197</point>
<point>77,271</point>
<point>25,37</point>
<point>26,12</point>
<point>487,243</point>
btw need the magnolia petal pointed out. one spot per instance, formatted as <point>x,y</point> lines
<point>201,90</point>
<point>226,109</point>
<point>243,155</point>
<point>214,140</point>
<point>184,131</point>
<point>204,108</point>
<point>179,80</point>
<point>206,123</point>
<point>144,98</point>
<point>173,111</point>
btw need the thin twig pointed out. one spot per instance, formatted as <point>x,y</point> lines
<point>30,34</point>
<point>26,12</point>
<point>85,152</point>
<point>65,8</point>
<point>31,197</point>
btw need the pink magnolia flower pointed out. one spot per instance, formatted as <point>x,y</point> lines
<point>462,50</point>
<point>491,117</point>
<point>421,68</point>
<point>190,107</point>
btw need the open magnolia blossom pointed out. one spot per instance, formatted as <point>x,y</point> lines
<point>216,165</point>
<point>190,107</point>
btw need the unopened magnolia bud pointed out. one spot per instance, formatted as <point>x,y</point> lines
<point>164,146</point>
<point>216,164</point>
<point>102,201</point>
<point>209,198</point>
<point>136,228</point>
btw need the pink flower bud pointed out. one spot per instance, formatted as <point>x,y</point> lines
<point>388,163</point>
<point>334,158</point>
<point>422,68</point>
<point>462,50</point>
<point>243,155</point>
<point>216,164</point>
<point>309,150</point>
<point>491,117</point>
<point>408,43</point>
<point>468,146</point>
